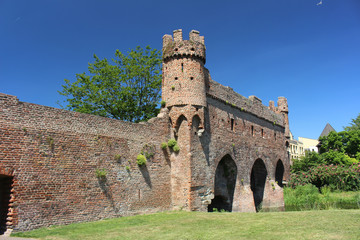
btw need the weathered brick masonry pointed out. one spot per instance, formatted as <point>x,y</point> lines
<point>233,152</point>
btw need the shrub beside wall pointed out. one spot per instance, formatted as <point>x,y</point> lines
<point>337,177</point>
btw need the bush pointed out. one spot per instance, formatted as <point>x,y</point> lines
<point>176,148</point>
<point>163,145</point>
<point>141,160</point>
<point>172,142</point>
<point>340,177</point>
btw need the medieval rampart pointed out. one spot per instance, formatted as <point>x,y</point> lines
<point>59,167</point>
<point>53,156</point>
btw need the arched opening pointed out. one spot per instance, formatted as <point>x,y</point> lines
<point>258,179</point>
<point>5,191</point>
<point>225,179</point>
<point>195,124</point>
<point>179,123</point>
<point>279,173</point>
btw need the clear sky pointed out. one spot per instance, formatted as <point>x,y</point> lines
<point>301,49</point>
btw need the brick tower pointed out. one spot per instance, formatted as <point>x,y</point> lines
<point>184,91</point>
<point>284,110</point>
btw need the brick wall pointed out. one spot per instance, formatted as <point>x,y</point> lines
<point>53,155</point>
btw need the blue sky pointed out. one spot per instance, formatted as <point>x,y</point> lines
<point>306,52</point>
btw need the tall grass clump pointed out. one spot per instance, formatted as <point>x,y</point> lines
<point>308,197</point>
<point>301,198</point>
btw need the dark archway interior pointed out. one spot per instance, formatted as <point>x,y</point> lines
<point>279,173</point>
<point>180,126</point>
<point>225,180</point>
<point>5,188</point>
<point>258,179</point>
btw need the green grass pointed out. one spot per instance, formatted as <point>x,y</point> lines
<point>308,197</point>
<point>332,224</point>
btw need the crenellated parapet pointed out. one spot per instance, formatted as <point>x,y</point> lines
<point>174,46</point>
<point>252,105</point>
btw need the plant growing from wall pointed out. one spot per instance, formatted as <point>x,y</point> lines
<point>50,141</point>
<point>172,142</point>
<point>101,174</point>
<point>117,157</point>
<point>163,145</point>
<point>148,151</point>
<point>173,145</point>
<point>176,148</point>
<point>141,160</point>
<point>163,103</point>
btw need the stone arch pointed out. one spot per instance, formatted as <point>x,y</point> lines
<point>257,182</point>
<point>195,123</point>
<point>225,180</point>
<point>179,120</point>
<point>200,121</point>
<point>178,124</point>
<point>6,200</point>
<point>279,173</point>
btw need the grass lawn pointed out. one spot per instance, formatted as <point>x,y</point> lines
<point>309,198</point>
<point>329,224</point>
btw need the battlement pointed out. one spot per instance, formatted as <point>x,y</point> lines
<point>252,105</point>
<point>174,46</point>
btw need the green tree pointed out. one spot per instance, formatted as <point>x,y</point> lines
<point>345,142</point>
<point>125,88</point>
<point>354,125</point>
<point>311,159</point>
